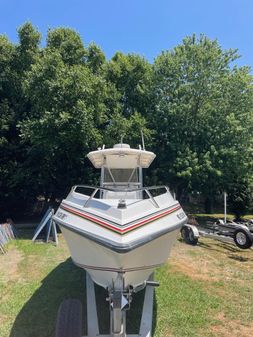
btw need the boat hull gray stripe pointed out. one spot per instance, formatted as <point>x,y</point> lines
<point>120,247</point>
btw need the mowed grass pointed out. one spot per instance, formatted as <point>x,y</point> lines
<point>206,291</point>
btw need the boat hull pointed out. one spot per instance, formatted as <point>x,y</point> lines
<point>104,264</point>
<point>106,240</point>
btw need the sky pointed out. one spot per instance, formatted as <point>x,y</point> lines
<point>146,27</point>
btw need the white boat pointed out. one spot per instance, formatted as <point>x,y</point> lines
<point>120,229</point>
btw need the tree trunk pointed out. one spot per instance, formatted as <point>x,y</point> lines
<point>208,205</point>
<point>179,193</point>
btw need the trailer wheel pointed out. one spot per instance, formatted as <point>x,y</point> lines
<point>69,319</point>
<point>243,238</point>
<point>188,236</point>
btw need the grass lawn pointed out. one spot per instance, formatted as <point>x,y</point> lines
<point>204,291</point>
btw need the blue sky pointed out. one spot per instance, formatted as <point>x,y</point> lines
<point>139,26</point>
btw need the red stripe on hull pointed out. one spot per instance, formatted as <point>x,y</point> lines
<point>116,229</point>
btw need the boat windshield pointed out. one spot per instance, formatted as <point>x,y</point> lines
<point>120,177</point>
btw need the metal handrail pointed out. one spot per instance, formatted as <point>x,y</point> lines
<point>122,190</point>
<point>125,190</point>
<point>91,196</point>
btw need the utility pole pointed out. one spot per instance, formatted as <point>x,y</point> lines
<point>225,207</point>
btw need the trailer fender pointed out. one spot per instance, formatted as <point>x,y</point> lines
<point>190,234</point>
<point>194,229</point>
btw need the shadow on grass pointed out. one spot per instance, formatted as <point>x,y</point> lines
<point>38,315</point>
<point>28,234</point>
<point>229,250</point>
<point>240,258</point>
<point>226,247</point>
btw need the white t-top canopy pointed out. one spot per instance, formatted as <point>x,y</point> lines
<point>121,156</point>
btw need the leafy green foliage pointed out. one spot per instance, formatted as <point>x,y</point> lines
<point>203,116</point>
<point>15,61</point>
<point>68,43</point>
<point>131,75</point>
<point>95,58</point>
<point>240,198</point>
<point>60,101</point>
<point>66,107</point>
<point>28,49</point>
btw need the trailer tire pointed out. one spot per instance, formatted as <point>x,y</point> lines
<point>69,319</point>
<point>188,236</point>
<point>243,238</point>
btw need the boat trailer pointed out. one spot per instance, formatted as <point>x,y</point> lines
<point>240,234</point>
<point>69,318</point>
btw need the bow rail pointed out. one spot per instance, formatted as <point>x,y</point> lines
<point>120,190</point>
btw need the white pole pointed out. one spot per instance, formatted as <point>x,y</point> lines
<point>225,207</point>
<point>142,138</point>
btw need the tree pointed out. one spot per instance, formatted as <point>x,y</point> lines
<point>240,198</point>
<point>95,58</point>
<point>68,43</point>
<point>66,109</point>
<point>202,116</point>
<point>29,47</point>
<point>15,61</point>
<point>60,101</point>
<point>127,129</point>
<point>128,80</point>
<point>131,76</point>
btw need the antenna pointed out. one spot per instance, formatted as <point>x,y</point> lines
<point>121,139</point>
<point>142,139</point>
